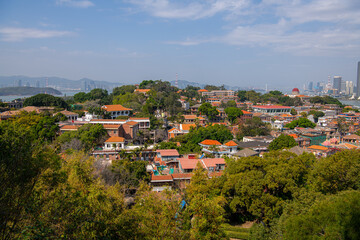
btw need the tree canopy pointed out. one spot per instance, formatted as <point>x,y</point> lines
<point>283,141</point>
<point>43,99</point>
<point>301,122</point>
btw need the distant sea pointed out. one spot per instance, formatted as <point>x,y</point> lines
<point>355,103</point>
<point>13,97</point>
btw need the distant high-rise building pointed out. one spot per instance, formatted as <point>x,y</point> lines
<point>358,81</point>
<point>343,86</point>
<point>19,83</point>
<point>37,84</point>
<point>310,87</point>
<point>349,89</point>
<point>337,84</point>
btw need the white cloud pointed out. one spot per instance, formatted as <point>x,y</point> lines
<point>74,3</point>
<point>11,34</point>
<point>193,10</point>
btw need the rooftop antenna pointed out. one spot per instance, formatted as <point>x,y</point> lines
<point>177,82</point>
<point>266,89</point>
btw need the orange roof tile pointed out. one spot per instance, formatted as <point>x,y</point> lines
<point>115,139</point>
<point>210,142</point>
<point>202,90</point>
<point>182,175</point>
<point>113,108</point>
<point>142,90</point>
<point>293,135</point>
<point>111,126</point>
<point>187,127</point>
<point>246,112</point>
<point>69,127</point>
<point>193,117</point>
<point>161,178</point>
<point>317,147</point>
<point>231,143</point>
<point>132,123</point>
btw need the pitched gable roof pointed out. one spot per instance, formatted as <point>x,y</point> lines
<point>115,139</point>
<point>113,108</point>
<point>210,142</point>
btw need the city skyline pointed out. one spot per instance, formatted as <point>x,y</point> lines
<point>240,43</point>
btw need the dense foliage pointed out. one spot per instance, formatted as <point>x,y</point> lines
<point>253,127</point>
<point>43,99</point>
<point>190,142</point>
<point>326,100</point>
<point>283,141</point>
<point>233,113</point>
<point>301,122</point>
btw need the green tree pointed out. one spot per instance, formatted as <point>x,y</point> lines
<point>283,141</point>
<point>123,89</point>
<point>335,217</point>
<point>301,122</point>
<point>253,127</point>
<point>316,114</point>
<point>208,110</point>
<point>260,187</point>
<point>42,99</point>
<point>233,113</point>
<point>85,138</point>
<point>204,207</point>
<point>337,172</point>
<point>70,203</point>
<point>293,112</point>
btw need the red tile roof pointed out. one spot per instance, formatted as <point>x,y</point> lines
<point>168,152</point>
<point>182,175</point>
<point>318,147</point>
<point>114,108</point>
<point>188,163</point>
<point>111,126</point>
<point>212,162</point>
<point>231,144</point>
<point>161,178</point>
<point>115,139</point>
<point>202,90</point>
<point>69,127</point>
<point>132,123</point>
<point>210,142</point>
<point>187,127</point>
<point>142,90</point>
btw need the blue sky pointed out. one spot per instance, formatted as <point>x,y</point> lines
<point>282,43</point>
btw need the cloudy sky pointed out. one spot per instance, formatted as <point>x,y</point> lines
<point>282,43</point>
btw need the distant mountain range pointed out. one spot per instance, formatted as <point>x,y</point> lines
<point>84,84</point>
<point>184,84</point>
<point>27,91</point>
<point>62,84</point>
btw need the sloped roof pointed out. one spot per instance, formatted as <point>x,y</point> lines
<point>212,162</point>
<point>173,129</point>
<point>193,117</point>
<point>117,107</point>
<point>142,90</point>
<point>69,127</point>
<point>168,152</point>
<point>318,147</point>
<point>271,107</point>
<point>188,163</point>
<point>115,139</point>
<point>186,127</point>
<point>182,175</point>
<point>202,90</point>
<point>352,136</point>
<point>161,178</point>
<point>247,152</point>
<point>68,113</point>
<point>210,142</point>
<point>231,143</point>
<point>246,112</point>
<point>131,123</point>
<point>111,126</point>
<point>298,150</point>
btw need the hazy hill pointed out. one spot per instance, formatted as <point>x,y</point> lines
<point>27,91</point>
<point>55,82</point>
